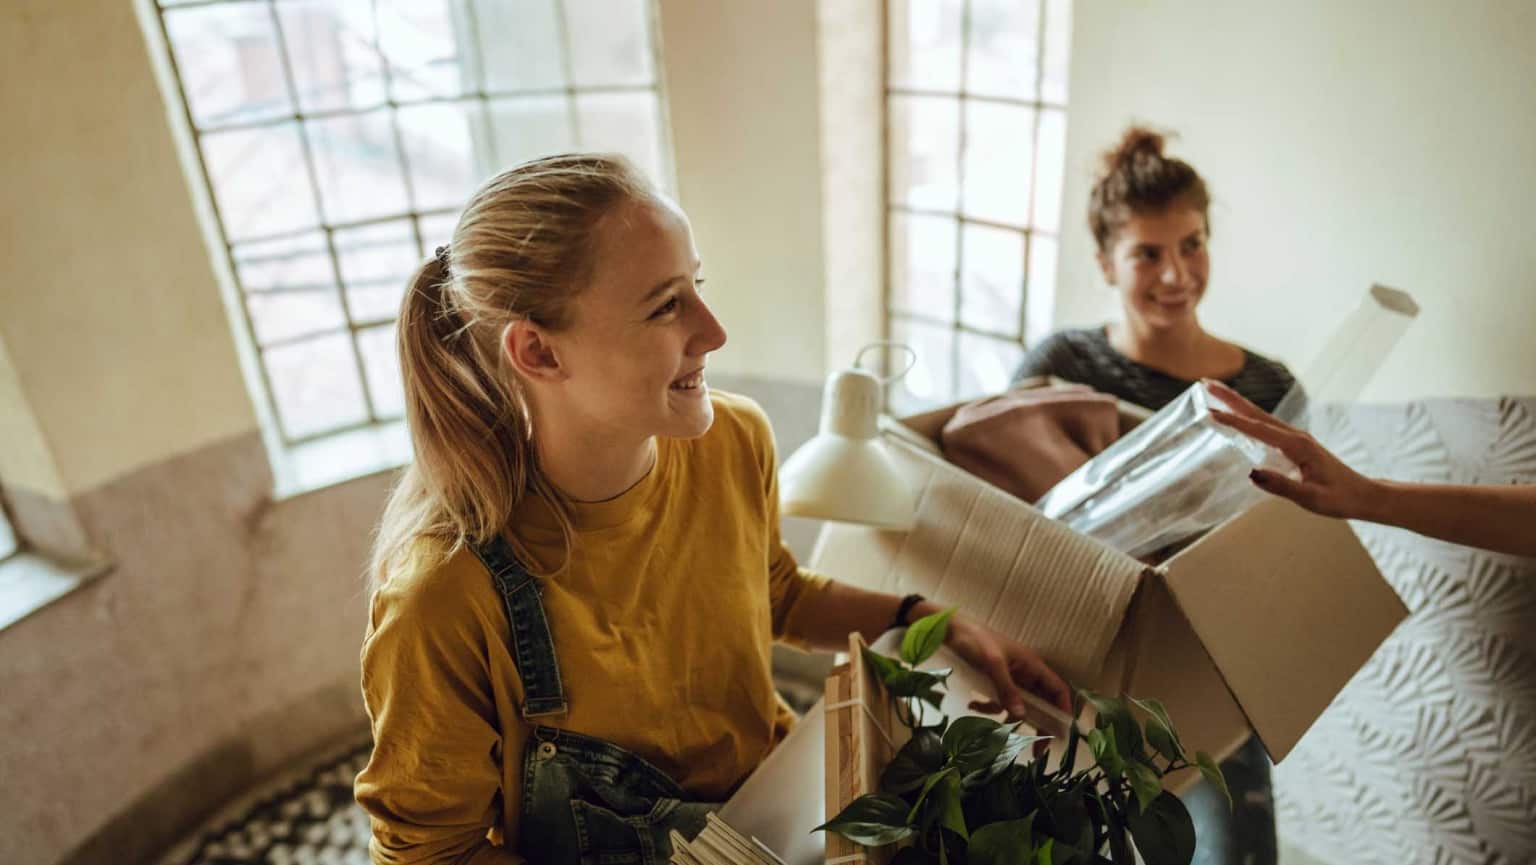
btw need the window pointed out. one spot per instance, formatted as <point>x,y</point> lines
<point>340,138</point>
<point>976,94</point>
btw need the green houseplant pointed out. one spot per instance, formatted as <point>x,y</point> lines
<point>958,792</point>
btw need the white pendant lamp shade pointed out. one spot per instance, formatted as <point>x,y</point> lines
<point>845,473</point>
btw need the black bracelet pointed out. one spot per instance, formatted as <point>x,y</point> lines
<point>905,610</point>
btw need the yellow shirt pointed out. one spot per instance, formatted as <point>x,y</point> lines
<point>662,623</point>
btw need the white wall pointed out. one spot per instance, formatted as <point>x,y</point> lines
<point>742,86</point>
<point>1345,143</point>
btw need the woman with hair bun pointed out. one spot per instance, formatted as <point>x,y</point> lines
<point>1150,218</point>
<point>579,577</point>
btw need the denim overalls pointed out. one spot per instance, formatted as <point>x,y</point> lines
<point>585,800</point>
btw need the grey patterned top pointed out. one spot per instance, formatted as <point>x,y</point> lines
<point>1085,356</point>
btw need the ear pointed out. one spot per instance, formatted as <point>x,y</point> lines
<point>531,352</point>
<point>1107,267</point>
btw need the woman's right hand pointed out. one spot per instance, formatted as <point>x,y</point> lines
<point>1327,485</point>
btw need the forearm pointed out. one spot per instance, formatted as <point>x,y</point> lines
<point>1499,518</point>
<point>826,623</point>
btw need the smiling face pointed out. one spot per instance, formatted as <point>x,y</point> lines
<point>633,354</point>
<point>1159,264</point>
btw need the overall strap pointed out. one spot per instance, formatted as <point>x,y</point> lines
<point>532,647</point>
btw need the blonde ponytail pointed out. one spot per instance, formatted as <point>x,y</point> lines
<point>521,250</point>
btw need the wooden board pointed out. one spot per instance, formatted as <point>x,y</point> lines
<point>863,734</point>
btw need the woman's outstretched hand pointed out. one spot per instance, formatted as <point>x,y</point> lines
<point>1327,485</point>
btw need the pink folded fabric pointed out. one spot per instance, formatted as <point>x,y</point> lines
<point>1027,439</point>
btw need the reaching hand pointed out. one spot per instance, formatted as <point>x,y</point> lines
<point>1014,671</point>
<point>1327,485</point>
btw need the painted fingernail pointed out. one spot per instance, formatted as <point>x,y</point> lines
<point>1258,477</point>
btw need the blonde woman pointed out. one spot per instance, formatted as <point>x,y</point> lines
<point>580,575</point>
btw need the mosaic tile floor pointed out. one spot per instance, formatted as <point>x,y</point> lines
<point>306,817</point>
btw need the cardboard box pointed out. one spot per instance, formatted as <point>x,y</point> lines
<point>1255,626</point>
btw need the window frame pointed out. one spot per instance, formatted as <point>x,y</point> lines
<point>381,432</point>
<point>962,98</point>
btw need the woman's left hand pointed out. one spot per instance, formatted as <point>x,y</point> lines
<point>1012,668</point>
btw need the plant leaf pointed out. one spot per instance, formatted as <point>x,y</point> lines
<point>1160,733</point>
<point>1212,773</point>
<point>973,742</point>
<point>920,757</point>
<point>925,636</point>
<point>885,667</point>
<point>872,820</point>
<point>1013,746</point>
<point>998,799</point>
<point>1105,752</point>
<point>945,800</point>
<point>1007,842</point>
<point>1144,783</point>
<point>1115,714</point>
<point>916,683</point>
<point>1164,833</point>
<point>1069,821</point>
<point>928,785</point>
<point>1043,854</point>
<point>1163,740</point>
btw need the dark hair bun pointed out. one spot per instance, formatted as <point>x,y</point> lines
<point>1138,178</point>
<point>1137,140</point>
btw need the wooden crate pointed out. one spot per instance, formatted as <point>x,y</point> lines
<point>863,734</point>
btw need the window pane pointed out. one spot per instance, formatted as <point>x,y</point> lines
<point>530,127</point>
<point>442,148</point>
<point>1040,294</point>
<point>986,365</point>
<point>426,58</point>
<point>358,165</point>
<point>997,162</point>
<point>376,261</point>
<point>1058,46</point>
<point>923,265</point>
<point>930,381</point>
<point>610,41</point>
<point>521,45</point>
<point>925,144</point>
<point>925,44</point>
<point>290,287</point>
<point>333,48</point>
<point>1004,48</point>
<point>622,122</point>
<point>315,385</point>
<point>260,181</point>
<point>381,365</point>
<point>993,279</point>
<point>231,69</point>
<point>1050,166</point>
<point>8,543</point>
<point>437,231</point>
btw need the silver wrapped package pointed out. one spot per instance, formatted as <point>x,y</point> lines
<point>1176,475</point>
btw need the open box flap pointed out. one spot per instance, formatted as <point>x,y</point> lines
<point>1004,563</point>
<point>1289,606</point>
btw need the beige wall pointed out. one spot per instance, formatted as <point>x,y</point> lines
<point>111,314</point>
<point>1345,143</point>
<point>742,85</point>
